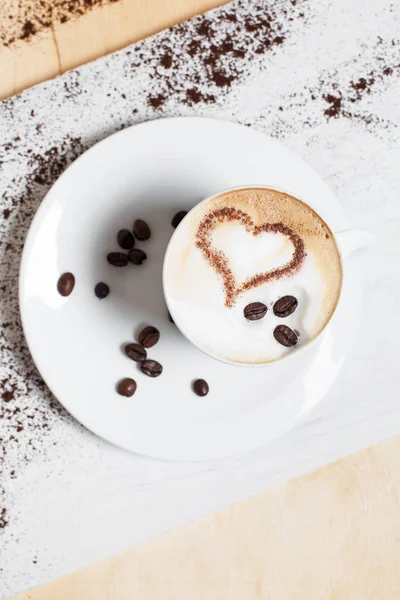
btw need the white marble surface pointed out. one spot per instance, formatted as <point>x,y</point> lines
<point>67,498</point>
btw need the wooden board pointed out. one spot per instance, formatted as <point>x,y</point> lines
<point>331,535</point>
<point>100,31</point>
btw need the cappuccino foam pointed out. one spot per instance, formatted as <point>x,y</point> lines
<point>244,246</point>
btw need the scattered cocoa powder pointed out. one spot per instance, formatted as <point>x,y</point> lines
<point>156,101</point>
<point>26,405</point>
<point>3,518</point>
<point>341,99</point>
<point>218,51</point>
<point>23,20</point>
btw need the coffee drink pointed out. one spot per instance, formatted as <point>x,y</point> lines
<point>246,263</point>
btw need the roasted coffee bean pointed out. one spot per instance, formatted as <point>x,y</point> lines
<point>285,306</point>
<point>126,387</point>
<point>117,259</point>
<point>170,318</point>
<point>285,336</point>
<point>176,219</point>
<point>66,284</point>
<point>135,352</point>
<point>152,368</point>
<point>101,290</point>
<point>137,256</point>
<point>200,387</point>
<point>141,230</point>
<point>149,336</point>
<point>125,239</point>
<point>255,311</point>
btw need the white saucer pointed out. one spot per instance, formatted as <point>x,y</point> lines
<point>151,171</point>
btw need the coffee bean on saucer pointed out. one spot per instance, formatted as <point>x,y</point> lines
<point>285,336</point>
<point>117,259</point>
<point>125,239</point>
<point>126,387</point>
<point>135,352</point>
<point>66,284</point>
<point>152,368</point>
<point>101,290</point>
<point>200,387</point>
<point>255,311</point>
<point>149,336</point>
<point>141,230</point>
<point>285,306</point>
<point>137,256</point>
<point>176,219</point>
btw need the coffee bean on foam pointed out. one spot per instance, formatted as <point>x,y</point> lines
<point>285,336</point>
<point>255,311</point>
<point>285,306</point>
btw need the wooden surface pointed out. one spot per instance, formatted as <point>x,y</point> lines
<point>331,535</point>
<point>100,31</point>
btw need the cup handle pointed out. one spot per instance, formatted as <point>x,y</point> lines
<point>351,240</point>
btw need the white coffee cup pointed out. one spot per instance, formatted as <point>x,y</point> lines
<point>347,243</point>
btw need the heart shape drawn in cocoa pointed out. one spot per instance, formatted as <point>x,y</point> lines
<point>219,261</point>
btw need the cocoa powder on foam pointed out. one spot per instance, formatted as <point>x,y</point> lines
<point>220,263</point>
<point>265,207</point>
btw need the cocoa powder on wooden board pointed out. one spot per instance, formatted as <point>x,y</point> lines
<point>21,21</point>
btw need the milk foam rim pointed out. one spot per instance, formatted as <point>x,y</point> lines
<point>289,355</point>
